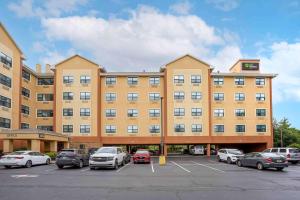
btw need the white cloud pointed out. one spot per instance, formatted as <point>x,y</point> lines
<point>224,5</point>
<point>182,8</point>
<point>49,8</point>
<point>147,39</point>
<point>284,59</point>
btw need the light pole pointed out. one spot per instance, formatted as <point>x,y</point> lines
<point>161,128</point>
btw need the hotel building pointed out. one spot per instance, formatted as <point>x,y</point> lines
<point>186,100</point>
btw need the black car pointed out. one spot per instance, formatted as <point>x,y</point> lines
<point>262,161</point>
<point>72,157</point>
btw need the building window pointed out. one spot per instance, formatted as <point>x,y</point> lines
<point>68,112</point>
<point>179,95</point>
<point>154,113</point>
<point>219,96</point>
<point>179,112</point>
<point>219,112</point>
<point>260,97</point>
<point>218,80</point>
<point>240,112</point>
<point>196,128</point>
<point>68,128</point>
<point>45,81</point>
<point>195,79</point>
<point>110,80</point>
<point>85,128</point>
<point>110,96</point>
<point>6,59</point>
<point>154,80</point>
<point>4,122</point>
<point>132,80</point>
<point>240,128</point>
<point>25,109</point>
<point>85,112</point>
<point>154,96</point>
<point>25,92</point>
<point>261,128</point>
<point>239,97</point>
<point>154,129</point>
<point>45,128</point>
<point>26,75</point>
<point>85,95</point>
<point>132,113</point>
<point>68,79</point>
<point>110,129</point>
<point>44,113</point>
<point>132,96</point>
<point>44,97</point>
<point>85,79</point>
<point>4,80</point>
<point>179,128</point>
<point>5,101</point>
<point>178,79</point>
<point>196,95</point>
<point>219,128</point>
<point>239,81</point>
<point>196,112</point>
<point>132,129</point>
<point>260,81</point>
<point>260,112</point>
<point>24,126</point>
<point>110,112</point>
<point>68,96</point>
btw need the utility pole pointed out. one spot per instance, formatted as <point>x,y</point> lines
<point>281,138</point>
<point>162,158</point>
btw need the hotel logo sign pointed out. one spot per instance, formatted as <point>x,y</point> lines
<point>250,66</point>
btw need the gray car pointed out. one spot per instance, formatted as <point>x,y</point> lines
<point>262,161</point>
<point>72,157</point>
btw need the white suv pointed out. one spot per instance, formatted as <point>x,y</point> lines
<point>291,154</point>
<point>111,157</point>
<point>229,155</point>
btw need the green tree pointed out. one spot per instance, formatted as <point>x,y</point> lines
<point>290,135</point>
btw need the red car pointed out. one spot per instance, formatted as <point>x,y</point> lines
<point>142,156</point>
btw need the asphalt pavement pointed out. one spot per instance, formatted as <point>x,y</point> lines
<point>181,178</point>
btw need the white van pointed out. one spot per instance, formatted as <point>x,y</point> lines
<point>197,150</point>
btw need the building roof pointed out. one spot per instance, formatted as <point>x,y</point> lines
<point>38,75</point>
<point>13,41</point>
<point>244,60</point>
<point>132,74</point>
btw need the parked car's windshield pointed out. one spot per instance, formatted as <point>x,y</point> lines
<point>66,153</point>
<point>142,152</point>
<point>107,150</point>
<point>294,150</point>
<point>18,153</point>
<point>235,151</point>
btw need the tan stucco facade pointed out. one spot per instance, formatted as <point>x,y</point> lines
<point>133,123</point>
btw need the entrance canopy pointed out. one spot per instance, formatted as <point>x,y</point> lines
<point>33,138</point>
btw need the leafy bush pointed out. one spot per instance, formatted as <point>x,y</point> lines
<point>295,145</point>
<point>52,155</point>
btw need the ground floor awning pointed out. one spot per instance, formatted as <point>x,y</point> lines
<point>34,138</point>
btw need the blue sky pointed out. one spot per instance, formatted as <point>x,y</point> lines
<point>144,35</point>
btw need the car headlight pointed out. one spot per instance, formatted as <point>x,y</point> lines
<point>110,158</point>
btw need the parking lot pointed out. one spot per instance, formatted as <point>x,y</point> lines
<point>185,177</point>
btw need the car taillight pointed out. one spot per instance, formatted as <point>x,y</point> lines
<point>288,156</point>
<point>268,160</point>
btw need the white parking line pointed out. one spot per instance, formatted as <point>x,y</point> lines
<point>50,170</point>
<point>24,176</point>
<point>181,167</point>
<point>152,167</point>
<point>84,170</point>
<point>209,167</point>
<point>123,167</point>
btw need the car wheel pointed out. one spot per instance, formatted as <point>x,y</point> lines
<point>92,168</point>
<point>260,166</point>
<point>28,164</point>
<point>116,164</point>
<point>60,166</point>
<point>229,160</point>
<point>7,166</point>
<point>218,158</point>
<point>48,161</point>
<point>80,164</point>
<point>123,162</point>
<point>239,163</point>
<point>279,168</point>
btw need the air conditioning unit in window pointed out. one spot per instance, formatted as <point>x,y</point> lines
<point>5,66</point>
<point>5,87</point>
<point>5,108</point>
